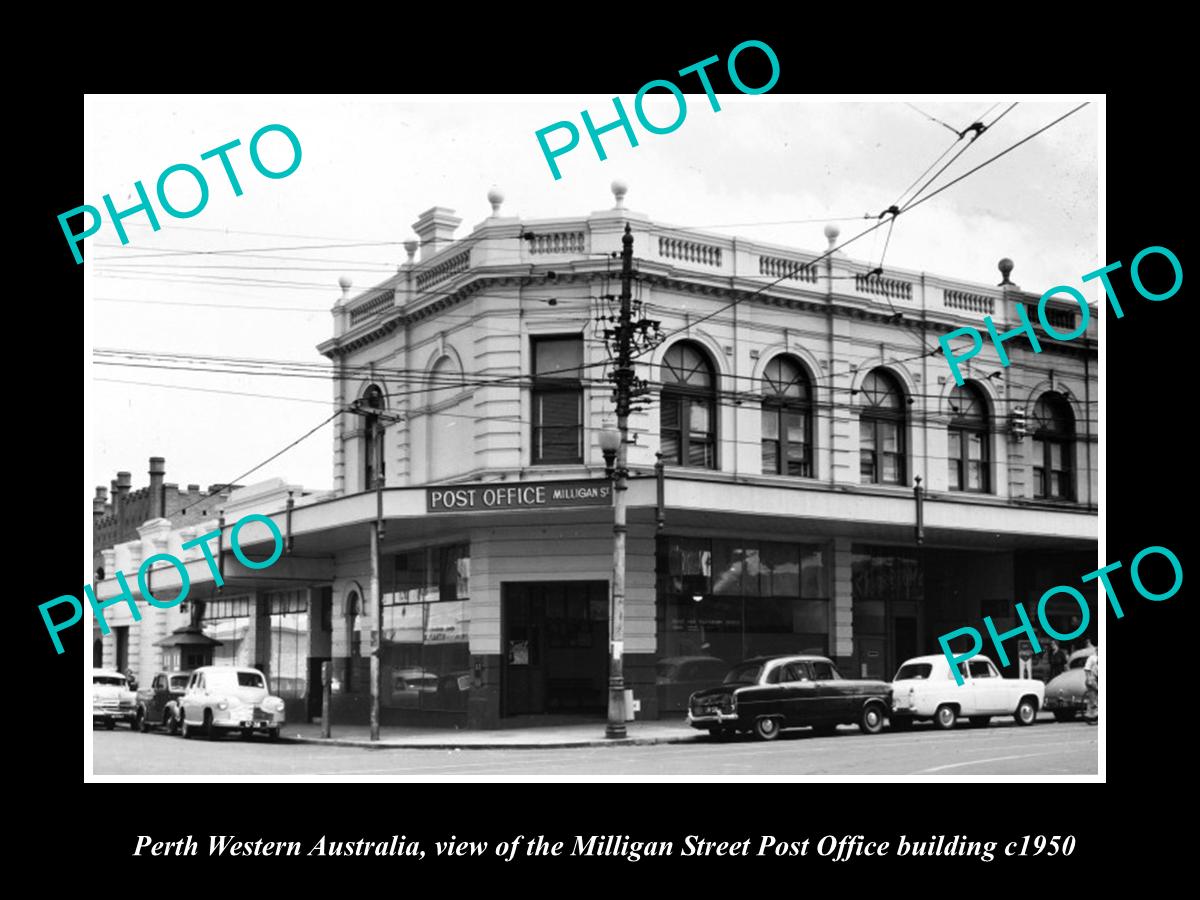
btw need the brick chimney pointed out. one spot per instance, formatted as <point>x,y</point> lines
<point>99,502</point>
<point>120,488</point>
<point>435,227</point>
<point>158,471</point>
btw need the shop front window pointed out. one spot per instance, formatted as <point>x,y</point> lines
<point>228,620</point>
<point>287,672</point>
<point>426,619</point>
<point>723,601</point>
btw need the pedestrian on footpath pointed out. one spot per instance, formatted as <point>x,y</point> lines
<point>1058,659</point>
<point>1025,660</point>
<point>1091,681</point>
<point>131,678</point>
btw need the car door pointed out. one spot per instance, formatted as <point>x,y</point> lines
<point>835,696</point>
<point>990,692</point>
<point>192,700</point>
<point>962,694</point>
<point>800,700</point>
<point>155,702</point>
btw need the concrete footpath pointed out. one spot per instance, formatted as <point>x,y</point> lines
<point>586,734</point>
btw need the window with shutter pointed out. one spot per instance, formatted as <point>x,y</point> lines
<point>557,400</point>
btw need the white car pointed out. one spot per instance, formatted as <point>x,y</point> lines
<point>229,698</point>
<point>112,699</point>
<point>925,688</point>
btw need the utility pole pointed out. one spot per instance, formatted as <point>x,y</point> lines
<point>376,419</point>
<point>623,340</point>
<point>623,377</point>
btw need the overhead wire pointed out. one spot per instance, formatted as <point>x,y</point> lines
<point>910,205</point>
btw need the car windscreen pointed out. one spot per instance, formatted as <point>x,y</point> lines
<point>746,673</point>
<point>179,682</point>
<point>109,679</point>
<point>914,671</point>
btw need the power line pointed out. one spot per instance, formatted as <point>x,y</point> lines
<point>931,118</point>
<point>911,205</point>
<point>271,458</point>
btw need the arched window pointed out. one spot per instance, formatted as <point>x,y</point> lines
<point>881,430</point>
<point>687,421</point>
<point>1053,440</point>
<point>786,419</point>
<point>372,437</point>
<point>968,455</point>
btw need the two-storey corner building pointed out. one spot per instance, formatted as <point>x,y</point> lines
<point>793,407</point>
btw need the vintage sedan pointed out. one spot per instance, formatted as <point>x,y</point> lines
<point>159,703</point>
<point>1066,693</point>
<point>766,694</point>
<point>925,688</point>
<point>112,700</point>
<point>229,698</point>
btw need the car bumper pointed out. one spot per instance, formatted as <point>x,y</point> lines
<point>903,709</point>
<point>103,712</point>
<point>1060,703</point>
<point>712,720</point>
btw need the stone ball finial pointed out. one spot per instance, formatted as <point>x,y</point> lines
<point>831,233</point>
<point>1005,266</point>
<point>411,248</point>
<point>345,283</point>
<point>495,197</point>
<point>619,190</point>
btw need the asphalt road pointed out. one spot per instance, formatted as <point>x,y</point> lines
<point>1001,749</point>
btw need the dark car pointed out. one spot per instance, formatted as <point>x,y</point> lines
<point>159,703</point>
<point>1066,694</point>
<point>767,694</point>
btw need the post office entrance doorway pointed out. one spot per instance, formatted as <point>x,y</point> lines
<point>554,645</point>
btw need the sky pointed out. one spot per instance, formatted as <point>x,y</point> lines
<point>370,165</point>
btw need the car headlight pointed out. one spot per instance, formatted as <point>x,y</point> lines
<point>224,704</point>
<point>274,704</point>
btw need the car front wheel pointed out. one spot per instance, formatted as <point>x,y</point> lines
<point>766,728</point>
<point>945,717</point>
<point>871,721</point>
<point>1026,713</point>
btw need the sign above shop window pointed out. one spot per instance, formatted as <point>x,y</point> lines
<point>519,495</point>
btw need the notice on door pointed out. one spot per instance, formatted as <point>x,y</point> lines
<point>520,495</point>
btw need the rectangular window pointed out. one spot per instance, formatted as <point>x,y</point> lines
<point>700,435</point>
<point>796,428</point>
<point>770,441</point>
<point>866,451</point>
<point>557,400</point>
<point>954,460</point>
